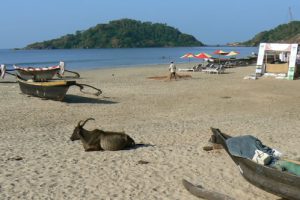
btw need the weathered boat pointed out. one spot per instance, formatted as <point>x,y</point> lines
<point>272,180</point>
<point>37,73</point>
<point>51,89</point>
<point>44,73</point>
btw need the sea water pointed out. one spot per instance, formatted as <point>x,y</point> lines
<point>109,58</point>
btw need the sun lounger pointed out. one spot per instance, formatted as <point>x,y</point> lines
<point>219,69</point>
<point>197,68</point>
<point>185,69</point>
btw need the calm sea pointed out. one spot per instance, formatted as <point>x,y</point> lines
<point>108,58</point>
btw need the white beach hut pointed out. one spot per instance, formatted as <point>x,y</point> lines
<point>278,60</point>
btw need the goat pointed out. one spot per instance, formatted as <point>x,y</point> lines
<point>97,140</point>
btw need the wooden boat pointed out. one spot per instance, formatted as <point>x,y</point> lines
<point>280,183</point>
<point>53,89</point>
<point>44,73</point>
<point>37,73</point>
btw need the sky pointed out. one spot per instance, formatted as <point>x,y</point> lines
<point>212,22</point>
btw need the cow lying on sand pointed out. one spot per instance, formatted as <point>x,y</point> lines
<point>98,140</point>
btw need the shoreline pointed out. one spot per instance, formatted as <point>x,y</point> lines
<point>173,118</point>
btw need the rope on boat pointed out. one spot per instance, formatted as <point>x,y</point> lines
<point>81,86</point>
<point>77,75</point>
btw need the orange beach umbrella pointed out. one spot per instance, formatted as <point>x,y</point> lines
<point>188,55</point>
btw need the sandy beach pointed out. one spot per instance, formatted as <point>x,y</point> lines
<point>172,119</point>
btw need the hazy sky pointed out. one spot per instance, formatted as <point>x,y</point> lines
<point>212,22</point>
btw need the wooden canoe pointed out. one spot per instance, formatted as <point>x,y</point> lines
<point>52,89</point>
<point>280,183</point>
<point>37,73</point>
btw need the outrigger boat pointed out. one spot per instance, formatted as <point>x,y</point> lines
<point>52,89</point>
<point>38,73</point>
<point>272,180</point>
<point>44,73</point>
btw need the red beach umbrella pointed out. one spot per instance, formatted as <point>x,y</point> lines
<point>220,52</point>
<point>202,55</point>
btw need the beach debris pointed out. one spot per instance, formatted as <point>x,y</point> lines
<point>142,162</point>
<point>200,192</point>
<point>208,148</point>
<point>98,140</point>
<point>17,158</point>
<point>226,97</point>
<point>212,144</point>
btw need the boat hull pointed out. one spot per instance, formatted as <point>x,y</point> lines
<point>54,90</point>
<point>283,184</point>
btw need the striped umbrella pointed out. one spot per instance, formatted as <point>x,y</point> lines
<point>202,55</point>
<point>188,55</point>
<point>232,53</point>
<point>220,52</point>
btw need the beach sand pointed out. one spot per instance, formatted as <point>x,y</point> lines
<point>173,119</point>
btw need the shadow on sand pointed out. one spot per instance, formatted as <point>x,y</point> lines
<point>141,145</point>
<point>80,99</point>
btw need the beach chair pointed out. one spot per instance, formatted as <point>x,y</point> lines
<point>186,69</point>
<point>215,69</point>
<point>221,69</point>
<point>209,68</point>
<point>196,68</point>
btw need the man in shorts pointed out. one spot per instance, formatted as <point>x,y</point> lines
<point>172,69</point>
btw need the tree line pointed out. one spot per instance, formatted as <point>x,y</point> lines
<point>124,33</point>
<point>289,33</point>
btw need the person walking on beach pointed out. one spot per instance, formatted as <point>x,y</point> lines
<point>172,69</point>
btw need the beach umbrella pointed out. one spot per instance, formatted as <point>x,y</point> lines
<point>220,52</point>
<point>188,55</point>
<point>202,55</point>
<point>232,53</point>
